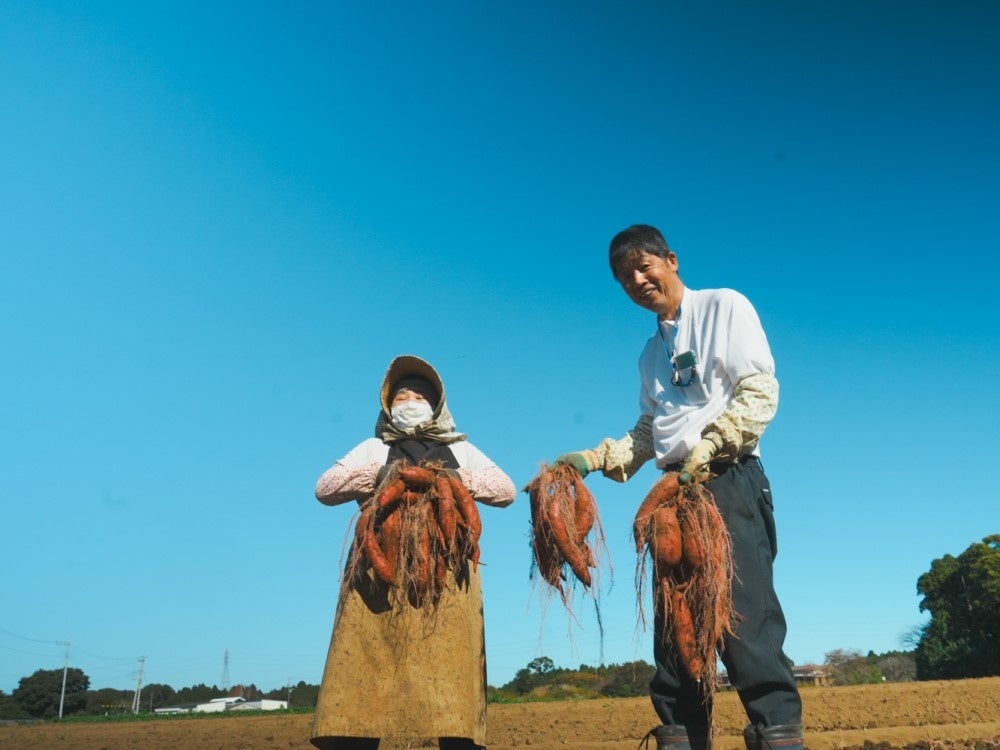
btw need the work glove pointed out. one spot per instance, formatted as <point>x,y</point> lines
<point>696,461</point>
<point>577,460</point>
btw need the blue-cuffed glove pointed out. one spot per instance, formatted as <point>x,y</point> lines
<point>696,461</point>
<point>577,460</point>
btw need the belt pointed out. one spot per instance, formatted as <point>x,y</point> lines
<point>716,467</point>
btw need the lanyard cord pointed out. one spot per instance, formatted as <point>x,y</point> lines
<point>675,378</point>
<point>659,330</point>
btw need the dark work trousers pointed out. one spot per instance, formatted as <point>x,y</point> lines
<point>754,659</point>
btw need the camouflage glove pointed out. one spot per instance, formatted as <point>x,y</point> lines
<point>696,461</point>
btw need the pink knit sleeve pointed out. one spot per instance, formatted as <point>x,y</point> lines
<point>489,485</point>
<point>341,483</point>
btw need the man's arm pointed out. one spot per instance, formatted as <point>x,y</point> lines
<point>617,459</point>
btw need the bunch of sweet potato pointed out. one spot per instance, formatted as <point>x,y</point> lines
<point>563,513</point>
<point>690,551</point>
<point>420,525</point>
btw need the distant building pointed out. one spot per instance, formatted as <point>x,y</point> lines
<point>812,674</point>
<point>264,704</point>
<point>218,705</point>
<point>228,703</point>
<point>806,674</point>
<point>184,709</point>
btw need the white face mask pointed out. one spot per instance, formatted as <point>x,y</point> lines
<point>409,414</point>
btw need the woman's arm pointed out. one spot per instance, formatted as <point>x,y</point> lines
<point>486,481</point>
<point>341,483</point>
<point>353,476</point>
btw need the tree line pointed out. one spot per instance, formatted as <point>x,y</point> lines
<point>38,696</point>
<point>541,679</point>
<point>961,640</point>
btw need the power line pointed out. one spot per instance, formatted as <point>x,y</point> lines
<point>31,640</point>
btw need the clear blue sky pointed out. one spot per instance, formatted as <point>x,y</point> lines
<point>220,221</point>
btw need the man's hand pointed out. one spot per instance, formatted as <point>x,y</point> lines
<point>696,460</point>
<point>577,460</point>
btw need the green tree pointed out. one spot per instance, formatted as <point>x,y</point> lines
<point>199,693</point>
<point>627,680</point>
<point>109,701</point>
<point>155,695</point>
<point>962,595</point>
<point>10,709</point>
<point>39,694</point>
<point>896,666</point>
<point>851,668</point>
<point>536,673</point>
<point>302,695</point>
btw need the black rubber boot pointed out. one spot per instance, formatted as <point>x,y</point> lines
<point>669,737</point>
<point>782,736</point>
<point>458,743</point>
<point>699,737</point>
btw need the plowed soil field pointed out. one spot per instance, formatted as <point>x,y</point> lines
<point>916,715</point>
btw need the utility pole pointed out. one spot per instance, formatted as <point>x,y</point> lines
<point>62,694</point>
<point>138,686</point>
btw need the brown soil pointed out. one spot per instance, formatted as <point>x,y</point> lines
<point>915,715</point>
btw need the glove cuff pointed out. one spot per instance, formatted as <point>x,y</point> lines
<point>716,440</point>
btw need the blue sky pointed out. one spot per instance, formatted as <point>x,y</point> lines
<point>220,222</point>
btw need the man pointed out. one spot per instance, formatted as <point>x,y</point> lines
<point>708,391</point>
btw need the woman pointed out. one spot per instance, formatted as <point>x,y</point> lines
<point>392,671</point>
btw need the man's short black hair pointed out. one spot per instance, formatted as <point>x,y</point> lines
<point>636,240</point>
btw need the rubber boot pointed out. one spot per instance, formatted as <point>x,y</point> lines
<point>669,737</point>
<point>699,737</point>
<point>783,736</point>
<point>458,743</point>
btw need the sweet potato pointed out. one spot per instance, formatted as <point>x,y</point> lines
<point>566,543</point>
<point>693,548</point>
<point>423,575</point>
<point>666,540</point>
<point>586,509</point>
<point>389,535</point>
<point>685,638</point>
<point>663,492</point>
<point>416,476</point>
<point>391,493</point>
<point>445,510</point>
<point>469,513</point>
<point>378,562</point>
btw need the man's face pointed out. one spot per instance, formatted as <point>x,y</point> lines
<point>652,282</point>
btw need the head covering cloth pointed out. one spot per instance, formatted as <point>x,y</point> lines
<point>440,428</point>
